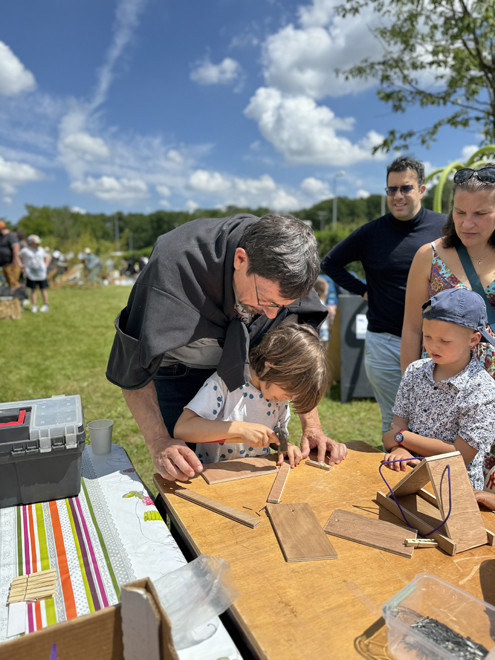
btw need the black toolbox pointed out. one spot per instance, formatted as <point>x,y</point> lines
<point>41,445</point>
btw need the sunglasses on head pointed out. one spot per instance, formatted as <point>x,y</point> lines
<point>485,175</point>
<point>393,190</point>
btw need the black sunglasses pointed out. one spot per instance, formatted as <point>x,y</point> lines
<point>393,190</point>
<point>485,175</point>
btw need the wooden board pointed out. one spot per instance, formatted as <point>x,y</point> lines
<point>277,488</point>
<point>464,525</point>
<point>421,514</point>
<point>370,531</point>
<point>419,475</point>
<point>299,533</point>
<point>238,468</point>
<point>217,507</point>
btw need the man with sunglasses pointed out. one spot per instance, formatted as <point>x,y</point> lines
<point>386,247</point>
<point>212,289</point>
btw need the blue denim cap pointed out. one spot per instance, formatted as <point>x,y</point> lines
<point>460,306</point>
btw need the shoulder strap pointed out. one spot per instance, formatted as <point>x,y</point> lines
<point>475,283</point>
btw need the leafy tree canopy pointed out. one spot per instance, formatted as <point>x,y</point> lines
<point>436,53</point>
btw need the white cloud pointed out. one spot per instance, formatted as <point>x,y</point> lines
<point>316,188</point>
<point>225,73</point>
<point>304,61</point>
<point>14,174</point>
<point>191,206</point>
<point>164,191</point>
<point>209,182</point>
<point>85,146</point>
<point>468,151</point>
<point>362,194</point>
<point>108,188</point>
<point>14,77</point>
<point>78,209</point>
<point>305,132</point>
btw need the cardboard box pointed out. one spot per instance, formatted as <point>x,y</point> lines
<point>41,445</point>
<point>99,636</point>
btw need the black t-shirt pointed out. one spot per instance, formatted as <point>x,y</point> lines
<point>386,248</point>
<point>6,243</point>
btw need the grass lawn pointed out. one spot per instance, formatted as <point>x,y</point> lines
<point>65,352</point>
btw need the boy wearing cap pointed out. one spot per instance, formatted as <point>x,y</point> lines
<point>447,401</point>
<point>35,264</point>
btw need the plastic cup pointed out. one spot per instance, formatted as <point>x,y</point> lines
<point>100,434</point>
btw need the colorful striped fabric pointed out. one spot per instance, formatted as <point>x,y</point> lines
<point>109,535</point>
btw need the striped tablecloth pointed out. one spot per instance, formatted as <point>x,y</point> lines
<point>109,535</point>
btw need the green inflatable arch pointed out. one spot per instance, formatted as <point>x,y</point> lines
<point>445,172</point>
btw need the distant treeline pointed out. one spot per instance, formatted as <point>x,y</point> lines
<point>135,233</point>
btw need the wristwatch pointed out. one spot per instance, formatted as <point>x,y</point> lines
<point>399,436</point>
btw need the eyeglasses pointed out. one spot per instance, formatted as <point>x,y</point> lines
<point>485,175</point>
<point>271,305</point>
<point>393,190</point>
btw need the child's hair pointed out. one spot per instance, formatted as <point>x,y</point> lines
<point>321,288</point>
<point>291,356</point>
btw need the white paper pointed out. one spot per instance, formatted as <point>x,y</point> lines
<point>17,618</point>
<point>361,326</point>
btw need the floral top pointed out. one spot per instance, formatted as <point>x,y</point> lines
<point>463,405</point>
<point>441,277</point>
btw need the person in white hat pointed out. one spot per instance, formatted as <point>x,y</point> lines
<point>35,262</point>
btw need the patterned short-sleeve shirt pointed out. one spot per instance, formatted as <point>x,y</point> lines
<point>463,405</point>
<point>245,404</point>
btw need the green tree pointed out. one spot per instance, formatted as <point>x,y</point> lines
<point>452,41</point>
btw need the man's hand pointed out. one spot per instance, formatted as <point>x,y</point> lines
<point>173,459</point>
<point>315,437</point>
<point>400,453</point>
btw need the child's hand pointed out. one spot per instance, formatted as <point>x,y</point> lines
<point>485,498</point>
<point>293,454</point>
<point>400,452</point>
<point>257,435</point>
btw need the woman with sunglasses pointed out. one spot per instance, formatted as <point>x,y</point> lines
<point>469,233</point>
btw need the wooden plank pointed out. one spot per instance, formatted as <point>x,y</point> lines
<point>217,507</point>
<point>464,525</point>
<point>413,481</point>
<point>416,515</point>
<point>238,468</point>
<point>279,483</point>
<point>370,531</point>
<point>299,533</point>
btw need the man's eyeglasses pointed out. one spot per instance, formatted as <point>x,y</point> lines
<point>393,190</point>
<point>485,175</point>
<point>271,305</point>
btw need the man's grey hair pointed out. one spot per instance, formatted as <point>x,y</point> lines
<point>404,163</point>
<point>281,248</point>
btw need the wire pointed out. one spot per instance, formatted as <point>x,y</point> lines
<point>400,460</point>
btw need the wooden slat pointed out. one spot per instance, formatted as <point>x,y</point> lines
<point>217,507</point>
<point>417,510</point>
<point>238,468</point>
<point>464,525</point>
<point>298,532</point>
<point>323,466</point>
<point>370,531</point>
<point>277,488</point>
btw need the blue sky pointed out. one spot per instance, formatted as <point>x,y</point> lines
<point>138,105</point>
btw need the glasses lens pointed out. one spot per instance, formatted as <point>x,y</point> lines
<point>486,174</point>
<point>391,190</point>
<point>405,190</point>
<point>463,175</point>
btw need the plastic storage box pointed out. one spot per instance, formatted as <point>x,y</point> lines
<point>430,618</point>
<point>41,445</point>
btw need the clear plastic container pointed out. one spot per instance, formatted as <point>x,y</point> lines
<point>430,618</point>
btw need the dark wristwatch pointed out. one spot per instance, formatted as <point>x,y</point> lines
<point>399,436</point>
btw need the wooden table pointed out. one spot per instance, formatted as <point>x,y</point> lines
<point>318,609</point>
